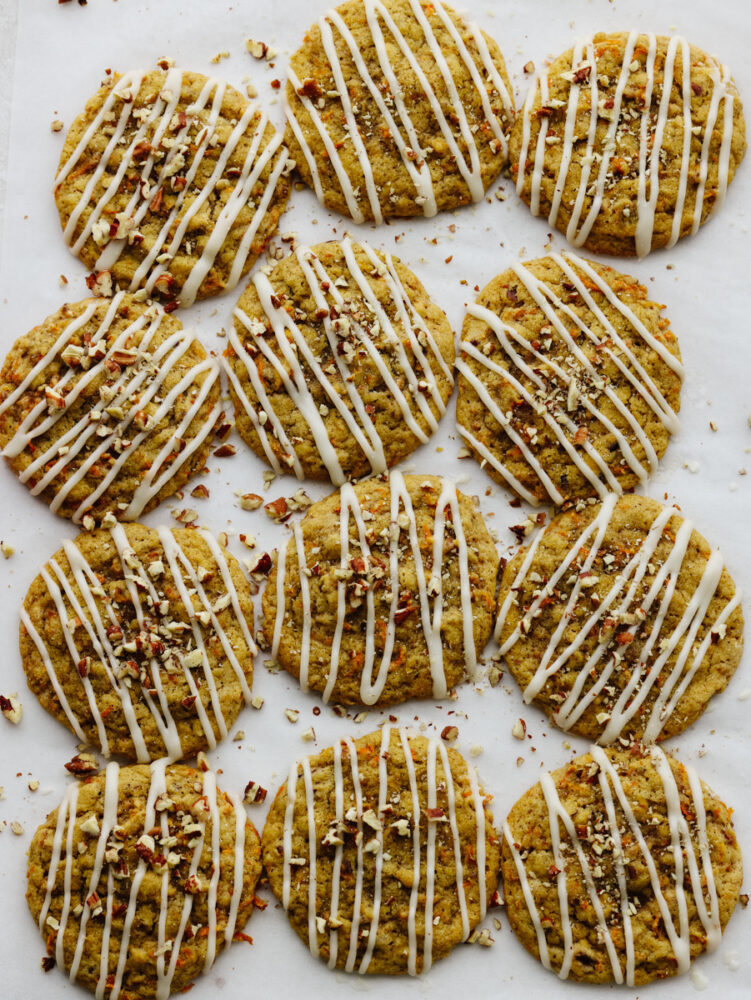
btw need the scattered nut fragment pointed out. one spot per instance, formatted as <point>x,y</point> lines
<point>712,425</point>
<point>219,56</point>
<point>250,501</point>
<point>33,785</point>
<point>278,510</point>
<point>100,283</point>
<point>254,793</point>
<point>519,761</point>
<point>519,730</point>
<point>257,49</point>
<point>743,899</point>
<point>256,701</point>
<point>225,451</point>
<point>481,937</point>
<point>309,734</point>
<point>16,828</point>
<point>186,516</point>
<point>83,763</point>
<point>57,126</point>
<point>202,761</point>
<point>11,708</point>
<point>476,749</point>
<point>239,735</point>
<point>48,963</point>
<point>529,67</point>
<point>449,734</point>
<point>293,714</point>
<point>200,491</point>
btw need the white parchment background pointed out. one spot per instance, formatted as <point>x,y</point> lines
<point>61,54</point>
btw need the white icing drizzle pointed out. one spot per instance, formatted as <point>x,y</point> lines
<point>91,895</point>
<point>295,363</point>
<point>401,128</point>
<point>439,779</point>
<point>75,596</point>
<point>541,369</point>
<point>626,599</point>
<point>653,121</point>
<point>138,383</point>
<point>156,177</point>
<point>700,872</point>
<point>429,591</point>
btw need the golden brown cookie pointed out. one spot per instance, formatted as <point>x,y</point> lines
<point>141,877</point>
<point>108,406</point>
<point>385,592</point>
<point>397,108</point>
<point>569,380</point>
<point>172,182</point>
<point>628,141</point>
<point>619,620</point>
<point>339,364</point>
<point>140,641</point>
<point>620,866</point>
<point>382,852</point>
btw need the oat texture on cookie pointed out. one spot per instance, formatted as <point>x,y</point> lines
<point>339,363</point>
<point>628,141</point>
<point>397,108</point>
<point>382,852</point>
<point>620,621</point>
<point>141,877</point>
<point>107,407</point>
<point>569,380</point>
<point>621,866</point>
<point>140,640</point>
<point>385,592</point>
<point>171,182</point>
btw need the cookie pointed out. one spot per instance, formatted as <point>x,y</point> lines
<point>569,380</point>
<point>628,141</point>
<point>140,640</point>
<point>620,866</point>
<point>397,108</point>
<point>339,364</point>
<point>141,877</point>
<point>620,621</point>
<point>382,852</point>
<point>385,592</point>
<point>108,406</point>
<point>172,182</point>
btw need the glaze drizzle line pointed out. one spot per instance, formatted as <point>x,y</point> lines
<point>350,811</point>
<point>80,603</point>
<point>689,866</point>
<point>157,126</point>
<point>631,601</point>
<point>429,588</point>
<point>96,899</point>
<point>460,138</point>
<point>291,358</point>
<point>581,382</point>
<point>137,363</point>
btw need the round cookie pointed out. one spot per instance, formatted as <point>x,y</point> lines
<point>569,380</point>
<point>385,592</point>
<point>140,640</point>
<point>622,147</point>
<point>108,406</point>
<point>605,858</point>
<point>339,364</point>
<point>382,852</point>
<point>619,621</point>
<point>172,182</point>
<point>141,877</point>
<point>397,108</point>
